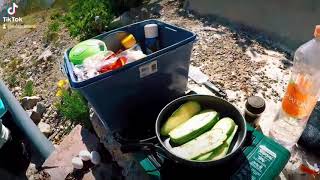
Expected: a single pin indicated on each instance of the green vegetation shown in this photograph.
(12, 80)
(54, 26)
(88, 18)
(74, 108)
(51, 34)
(28, 89)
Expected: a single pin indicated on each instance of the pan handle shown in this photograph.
(137, 147)
(146, 147)
(122, 140)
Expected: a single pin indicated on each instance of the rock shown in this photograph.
(208, 28)
(78, 139)
(31, 170)
(95, 157)
(40, 108)
(29, 102)
(35, 116)
(77, 163)
(85, 155)
(46, 55)
(45, 115)
(45, 128)
(217, 36)
(16, 89)
(122, 20)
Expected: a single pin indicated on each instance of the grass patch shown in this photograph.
(12, 80)
(54, 26)
(28, 89)
(74, 108)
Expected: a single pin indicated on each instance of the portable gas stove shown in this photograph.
(259, 158)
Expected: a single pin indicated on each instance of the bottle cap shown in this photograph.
(151, 31)
(129, 41)
(317, 31)
(255, 105)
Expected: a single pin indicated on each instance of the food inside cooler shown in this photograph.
(92, 57)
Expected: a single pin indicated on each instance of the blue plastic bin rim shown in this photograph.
(79, 84)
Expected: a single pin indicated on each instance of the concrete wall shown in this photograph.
(291, 20)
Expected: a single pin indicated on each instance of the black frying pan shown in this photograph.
(225, 109)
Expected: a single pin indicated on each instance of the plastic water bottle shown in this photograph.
(301, 95)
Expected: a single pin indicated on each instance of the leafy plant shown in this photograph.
(88, 18)
(28, 89)
(74, 107)
(54, 26)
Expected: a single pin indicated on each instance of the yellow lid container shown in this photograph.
(129, 41)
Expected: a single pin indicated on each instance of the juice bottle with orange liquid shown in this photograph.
(301, 95)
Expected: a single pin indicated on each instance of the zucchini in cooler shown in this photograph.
(221, 151)
(194, 127)
(182, 114)
(201, 145)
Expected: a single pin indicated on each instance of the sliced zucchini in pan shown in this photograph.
(221, 151)
(194, 127)
(182, 114)
(201, 145)
(226, 124)
(226, 146)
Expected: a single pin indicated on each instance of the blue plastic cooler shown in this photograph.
(133, 95)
